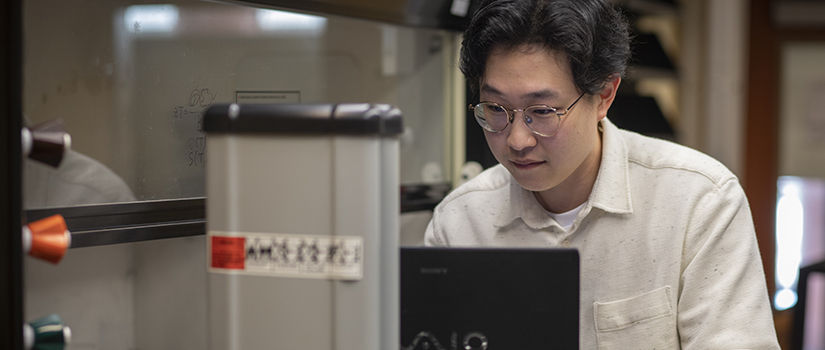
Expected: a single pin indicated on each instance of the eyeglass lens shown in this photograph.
(494, 118)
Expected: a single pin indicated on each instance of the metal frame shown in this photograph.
(11, 260)
(104, 224)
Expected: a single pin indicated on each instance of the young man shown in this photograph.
(668, 251)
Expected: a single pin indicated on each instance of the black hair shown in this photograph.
(591, 33)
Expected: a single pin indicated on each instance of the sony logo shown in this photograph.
(425, 340)
(433, 270)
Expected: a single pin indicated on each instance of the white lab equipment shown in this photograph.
(303, 226)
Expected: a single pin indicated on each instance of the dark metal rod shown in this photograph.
(104, 224)
(11, 256)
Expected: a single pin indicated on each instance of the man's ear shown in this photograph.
(608, 94)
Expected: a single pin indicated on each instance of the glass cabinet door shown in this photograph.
(128, 80)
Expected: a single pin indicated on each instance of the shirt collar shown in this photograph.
(524, 205)
(611, 191)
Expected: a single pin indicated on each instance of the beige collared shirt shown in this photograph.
(669, 257)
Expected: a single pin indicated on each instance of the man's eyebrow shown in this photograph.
(535, 95)
(541, 94)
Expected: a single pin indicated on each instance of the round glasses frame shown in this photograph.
(557, 112)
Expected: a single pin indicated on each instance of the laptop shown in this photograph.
(489, 298)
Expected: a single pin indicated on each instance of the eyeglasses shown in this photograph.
(542, 120)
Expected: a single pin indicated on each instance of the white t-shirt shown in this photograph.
(668, 251)
(567, 218)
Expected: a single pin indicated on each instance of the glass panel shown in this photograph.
(147, 295)
(129, 80)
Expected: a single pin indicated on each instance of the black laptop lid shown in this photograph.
(489, 298)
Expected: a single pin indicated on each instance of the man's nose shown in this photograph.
(520, 137)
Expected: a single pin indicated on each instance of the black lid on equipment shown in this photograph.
(304, 119)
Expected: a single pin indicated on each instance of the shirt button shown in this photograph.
(565, 243)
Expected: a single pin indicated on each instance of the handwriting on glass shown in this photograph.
(191, 114)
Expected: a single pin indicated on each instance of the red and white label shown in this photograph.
(227, 252)
(287, 255)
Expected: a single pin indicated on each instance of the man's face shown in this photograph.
(531, 75)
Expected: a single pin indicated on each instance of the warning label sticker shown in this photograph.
(227, 252)
(287, 255)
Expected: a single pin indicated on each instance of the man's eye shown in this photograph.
(541, 111)
(495, 109)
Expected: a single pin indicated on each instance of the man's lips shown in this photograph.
(526, 163)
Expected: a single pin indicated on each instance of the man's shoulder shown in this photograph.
(657, 154)
(490, 181)
(468, 213)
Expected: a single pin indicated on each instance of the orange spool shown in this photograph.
(50, 238)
